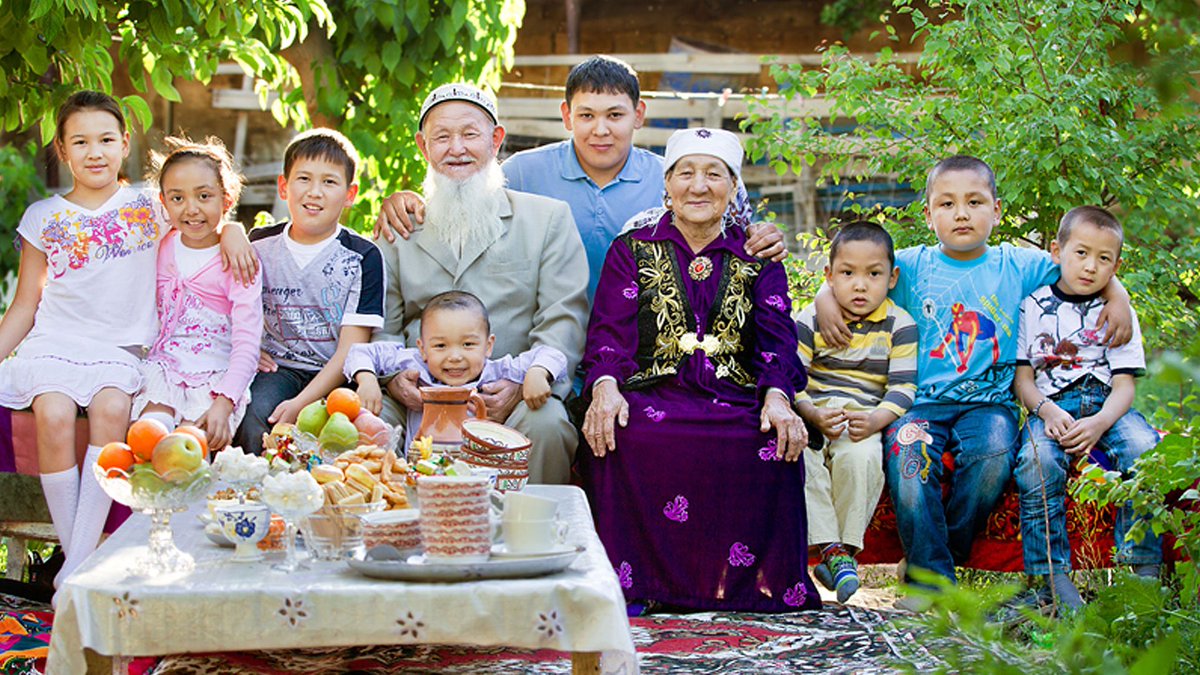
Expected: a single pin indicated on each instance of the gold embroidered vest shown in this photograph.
(666, 322)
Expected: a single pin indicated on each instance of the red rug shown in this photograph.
(832, 640)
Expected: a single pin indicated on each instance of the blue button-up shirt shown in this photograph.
(600, 212)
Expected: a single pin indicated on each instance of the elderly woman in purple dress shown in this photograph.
(691, 369)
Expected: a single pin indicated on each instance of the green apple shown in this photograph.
(312, 418)
(339, 434)
(176, 456)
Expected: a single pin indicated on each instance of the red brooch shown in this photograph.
(700, 268)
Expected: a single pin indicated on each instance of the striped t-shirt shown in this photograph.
(877, 370)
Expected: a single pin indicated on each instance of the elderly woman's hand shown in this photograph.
(608, 406)
(777, 413)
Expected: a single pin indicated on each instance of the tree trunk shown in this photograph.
(304, 57)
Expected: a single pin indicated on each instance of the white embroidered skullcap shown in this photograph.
(459, 91)
(724, 145)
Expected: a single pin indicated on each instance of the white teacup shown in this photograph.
(245, 525)
(534, 536)
(521, 506)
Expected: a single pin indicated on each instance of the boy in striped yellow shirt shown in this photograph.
(853, 394)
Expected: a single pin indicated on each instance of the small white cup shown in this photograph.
(521, 506)
(534, 536)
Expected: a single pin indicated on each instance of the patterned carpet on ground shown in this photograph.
(834, 640)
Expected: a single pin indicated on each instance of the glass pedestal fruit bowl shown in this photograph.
(158, 496)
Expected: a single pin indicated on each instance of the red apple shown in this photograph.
(178, 453)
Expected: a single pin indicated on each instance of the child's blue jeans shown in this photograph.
(1041, 461)
(981, 437)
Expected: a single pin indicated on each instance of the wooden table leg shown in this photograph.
(585, 663)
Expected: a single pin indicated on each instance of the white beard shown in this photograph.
(462, 212)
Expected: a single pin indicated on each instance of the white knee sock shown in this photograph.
(62, 497)
(89, 517)
(167, 419)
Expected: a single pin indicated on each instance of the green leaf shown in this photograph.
(48, 125)
(392, 52)
(38, 9)
(1159, 658)
(140, 109)
(162, 81)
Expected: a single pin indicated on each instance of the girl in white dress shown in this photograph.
(83, 312)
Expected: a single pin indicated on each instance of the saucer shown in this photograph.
(217, 536)
(501, 551)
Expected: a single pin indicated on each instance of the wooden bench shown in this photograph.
(23, 518)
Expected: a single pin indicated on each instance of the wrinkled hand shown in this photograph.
(608, 409)
(369, 392)
(395, 215)
(500, 397)
(1117, 320)
(791, 435)
(266, 363)
(830, 321)
(215, 423)
(286, 411)
(765, 240)
(403, 388)
(1056, 419)
(536, 389)
(1083, 435)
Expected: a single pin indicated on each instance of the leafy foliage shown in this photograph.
(386, 55)
(1165, 483)
(55, 47)
(19, 184)
(1071, 103)
(1132, 627)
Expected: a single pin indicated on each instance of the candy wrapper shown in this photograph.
(287, 449)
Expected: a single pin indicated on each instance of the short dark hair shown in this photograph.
(456, 300)
(85, 101)
(863, 230)
(1098, 216)
(604, 75)
(322, 144)
(962, 163)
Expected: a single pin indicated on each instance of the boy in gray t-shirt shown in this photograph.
(322, 285)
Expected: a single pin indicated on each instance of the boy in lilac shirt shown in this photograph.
(454, 350)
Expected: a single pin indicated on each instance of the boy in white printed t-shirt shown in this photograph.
(1078, 392)
(322, 285)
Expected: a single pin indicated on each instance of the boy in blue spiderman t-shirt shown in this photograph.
(965, 297)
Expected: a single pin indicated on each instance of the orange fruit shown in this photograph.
(345, 401)
(197, 433)
(143, 435)
(113, 456)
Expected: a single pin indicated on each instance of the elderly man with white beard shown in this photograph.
(519, 253)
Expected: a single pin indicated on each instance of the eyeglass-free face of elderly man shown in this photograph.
(519, 253)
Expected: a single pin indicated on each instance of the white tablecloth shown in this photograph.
(227, 606)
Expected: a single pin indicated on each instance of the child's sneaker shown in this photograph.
(823, 575)
(837, 571)
(845, 576)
